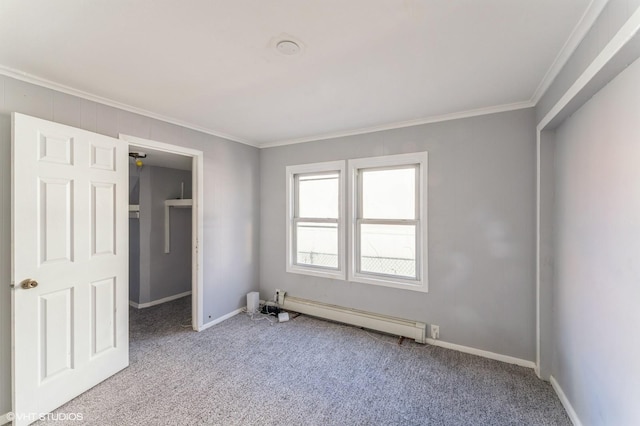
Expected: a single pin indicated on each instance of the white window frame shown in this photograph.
(325, 167)
(355, 194)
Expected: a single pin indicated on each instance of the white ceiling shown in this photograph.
(364, 65)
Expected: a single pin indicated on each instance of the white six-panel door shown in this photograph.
(70, 236)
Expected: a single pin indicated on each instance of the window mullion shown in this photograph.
(314, 220)
(388, 221)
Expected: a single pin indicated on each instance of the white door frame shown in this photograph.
(197, 216)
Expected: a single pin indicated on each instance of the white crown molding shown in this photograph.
(581, 29)
(401, 124)
(628, 30)
(575, 38)
(29, 78)
(38, 81)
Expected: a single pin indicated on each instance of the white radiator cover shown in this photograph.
(396, 326)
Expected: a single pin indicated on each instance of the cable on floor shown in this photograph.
(260, 316)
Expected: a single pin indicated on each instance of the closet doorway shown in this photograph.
(165, 219)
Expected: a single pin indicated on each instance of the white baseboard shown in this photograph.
(4, 419)
(159, 301)
(573, 416)
(219, 320)
(484, 354)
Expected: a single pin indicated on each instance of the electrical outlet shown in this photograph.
(435, 332)
(280, 296)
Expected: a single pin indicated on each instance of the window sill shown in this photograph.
(335, 275)
(411, 285)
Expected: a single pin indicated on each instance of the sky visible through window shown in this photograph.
(388, 248)
(318, 198)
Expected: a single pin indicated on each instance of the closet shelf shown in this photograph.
(184, 203)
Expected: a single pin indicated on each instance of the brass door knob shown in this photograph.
(28, 283)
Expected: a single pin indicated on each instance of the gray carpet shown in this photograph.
(304, 372)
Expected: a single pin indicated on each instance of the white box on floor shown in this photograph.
(253, 302)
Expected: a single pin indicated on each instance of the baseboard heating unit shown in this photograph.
(396, 326)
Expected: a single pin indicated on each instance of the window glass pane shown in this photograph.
(389, 194)
(318, 195)
(388, 249)
(317, 244)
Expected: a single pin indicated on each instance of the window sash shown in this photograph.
(294, 242)
(360, 188)
(295, 176)
(358, 250)
(361, 220)
(296, 188)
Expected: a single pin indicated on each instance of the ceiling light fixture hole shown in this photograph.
(288, 47)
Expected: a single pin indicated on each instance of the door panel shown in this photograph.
(103, 319)
(56, 149)
(54, 207)
(103, 211)
(70, 235)
(103, 156)
(56, 327)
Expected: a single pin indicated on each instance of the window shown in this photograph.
(388, 221)
(387, 230)
(315, 219)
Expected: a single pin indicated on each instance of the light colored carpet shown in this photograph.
(304, 372)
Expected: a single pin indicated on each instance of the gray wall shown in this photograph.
(547, 245)
(134, 236)
(134, 184)
(166, 274)
(584, 290)
(154, 274)
(134, 260)
(598, 255)
(481, 229)
(231, 205)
